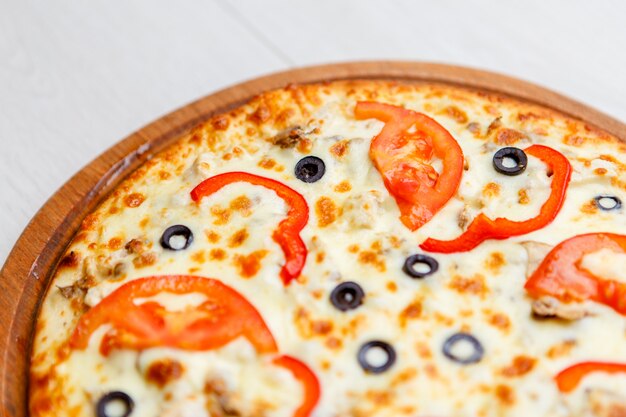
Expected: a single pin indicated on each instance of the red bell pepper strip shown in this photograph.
(402, 153)
(224, 316)
(308, 380)
(483, 228)
(287, 234)
(568, 379)
(561, 275)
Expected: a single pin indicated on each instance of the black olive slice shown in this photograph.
(347, 296)
(386, 348)
(413, 260)
(310, 169)
(608, 202)
(516, 155)
(477, 349)
(177, 237)
(112, 397)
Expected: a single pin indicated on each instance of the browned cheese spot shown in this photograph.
(474, 285)
(134, 199)
(243, 205)
(238, 238)
(353, 248)
(499, 320)
(343, 186)
(261, 115)
(521, 365)
(212, 236)
(163, 371)
(249, 265)
(114, 243)
(379, 398)
(505, 394)
(589, 207)
(305, 145)
(573, 140)
(561, 349)
(491, 190)
(455, 113)
(326, 211)
(391, 286)
(372, 258)
(410, 312)
(222, 215)
(600, 171)
(508, 137)
(495, 261)
(333, 343)
(90, 221)
(145, 259)
(267, 163)
(164, 175)
(220, 122)
(340, 149)
(319, 257)
(217, 254)
(198, 257)
(522, 195)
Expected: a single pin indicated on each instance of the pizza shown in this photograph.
(350, 249)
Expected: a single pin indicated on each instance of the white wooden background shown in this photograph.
(77, 76)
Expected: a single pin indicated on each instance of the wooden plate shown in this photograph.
(25, 275)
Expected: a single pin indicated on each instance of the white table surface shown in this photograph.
(77, 76)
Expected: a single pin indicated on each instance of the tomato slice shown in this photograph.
(287, 234)
(402, 152)
(308, 380)
(221, 318)
(561, 275)
(568, 379)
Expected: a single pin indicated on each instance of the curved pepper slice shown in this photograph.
(483, 228)
(308, 380)
(561, 275)
(287, 234)
(568, 379)
(221, 318)
(402, 153)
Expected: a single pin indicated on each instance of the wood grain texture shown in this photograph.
(25, 275)
(76, 76)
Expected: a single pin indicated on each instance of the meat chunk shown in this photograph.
(551, 307)
(289, 137)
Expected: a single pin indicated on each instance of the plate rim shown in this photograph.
(25, 274)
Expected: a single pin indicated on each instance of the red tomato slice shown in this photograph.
(221, 318)
(402, 152)
(561, 275)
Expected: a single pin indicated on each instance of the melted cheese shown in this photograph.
(354, 234)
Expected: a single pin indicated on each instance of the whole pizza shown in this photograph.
(350, 249)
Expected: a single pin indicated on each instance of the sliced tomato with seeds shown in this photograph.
(561, 274)
(404, 151)
(224, 316)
